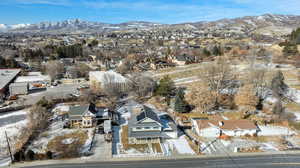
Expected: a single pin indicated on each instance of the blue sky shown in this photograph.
(162, 11)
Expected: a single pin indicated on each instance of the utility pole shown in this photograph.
(9, 149)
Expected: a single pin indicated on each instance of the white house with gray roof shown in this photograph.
(148, 127)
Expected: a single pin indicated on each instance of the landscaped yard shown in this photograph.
(143, 148)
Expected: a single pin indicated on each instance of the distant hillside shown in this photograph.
(267, 24)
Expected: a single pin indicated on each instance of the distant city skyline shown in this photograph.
(161, 11)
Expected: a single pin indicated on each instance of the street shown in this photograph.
(259, 161)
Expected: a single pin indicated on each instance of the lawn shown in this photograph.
(124, 139)
(156, 148)
(292, 106)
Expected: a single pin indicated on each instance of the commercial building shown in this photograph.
(18, 89)
(34, 78)
(7, 76)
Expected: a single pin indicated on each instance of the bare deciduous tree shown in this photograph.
(258, 79)
(246, 97)
(54, 68)
(219, 76)
(38, 117)
(142, 85)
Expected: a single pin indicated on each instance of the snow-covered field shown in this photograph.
(13, 123)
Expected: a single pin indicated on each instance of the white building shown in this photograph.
(100, 79)
(34, 77)
(213, 128)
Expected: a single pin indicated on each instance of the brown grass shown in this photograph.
(192, 115)
(156, 147)
(68, 150)
(193, 146)
(127, 146)
(234, 115)
(293, 106)
(295, 87)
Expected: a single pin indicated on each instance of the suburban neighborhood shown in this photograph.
(88, 92)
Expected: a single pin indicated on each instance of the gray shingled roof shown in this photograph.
(78, 110)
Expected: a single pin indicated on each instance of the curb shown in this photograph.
(82, 161)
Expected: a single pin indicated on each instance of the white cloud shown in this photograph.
(32, 2)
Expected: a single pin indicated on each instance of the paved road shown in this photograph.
(261, 161)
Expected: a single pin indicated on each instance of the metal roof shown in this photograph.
(19, 84)
(7, 75)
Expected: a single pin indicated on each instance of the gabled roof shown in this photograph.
(80, 110)
(147, 113)
(227, 124)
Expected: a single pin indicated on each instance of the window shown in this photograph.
(155, 127)
(147, 128)
(138, 128)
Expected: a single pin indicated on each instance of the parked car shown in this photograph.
(13, 97)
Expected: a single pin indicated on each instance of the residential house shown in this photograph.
(147, 127)
(217, 128)
(87, 116)
(183, 59)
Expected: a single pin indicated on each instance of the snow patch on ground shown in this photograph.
(68, 141)
(297, 114)
(61, 108)
(294, 94)
(13, 131)
(268, 147)
(86, 147)
(21, 112)
(274, 130)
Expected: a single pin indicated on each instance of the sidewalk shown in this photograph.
(82, 160)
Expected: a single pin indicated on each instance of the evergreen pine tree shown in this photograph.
(165, 87)
(180, 105)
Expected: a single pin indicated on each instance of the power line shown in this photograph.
(233, 161)
(9, 149)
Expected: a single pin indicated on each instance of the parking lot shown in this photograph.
(54, 92)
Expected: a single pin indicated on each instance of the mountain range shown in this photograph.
(266, 24)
